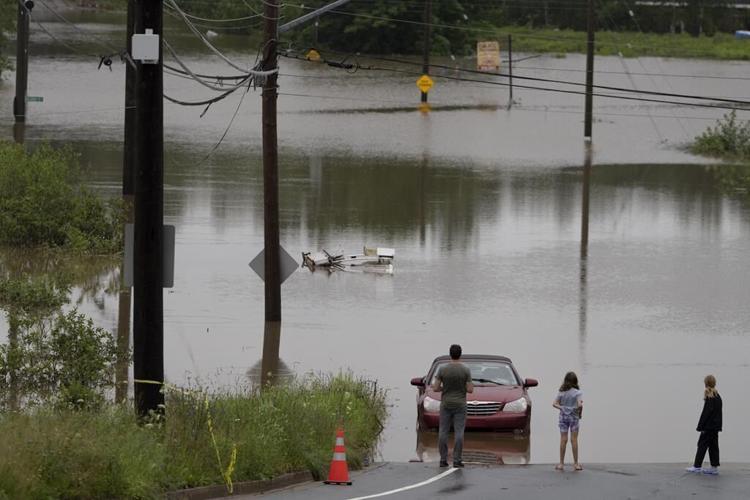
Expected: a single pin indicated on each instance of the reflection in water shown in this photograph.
(486, 448)
(91, 277)
(270, 369)
(281, 374)
(583, 261)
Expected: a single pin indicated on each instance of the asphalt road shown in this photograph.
(531, 482)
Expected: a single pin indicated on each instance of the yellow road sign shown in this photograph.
(425, 83)
(313, 55)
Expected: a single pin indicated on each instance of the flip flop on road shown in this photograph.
(578, 467)
(559, 467)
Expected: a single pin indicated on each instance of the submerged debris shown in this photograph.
(371, 260)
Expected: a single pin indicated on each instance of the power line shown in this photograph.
(672, 75)
(488, 30)
(550, 80)
(209, 20)
(216, 51)
(543, 89)
(199, 79)
(75, 27)
(438, 107)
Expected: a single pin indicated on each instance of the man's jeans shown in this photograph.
(457, 417)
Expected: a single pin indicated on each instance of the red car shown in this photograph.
(500, 400)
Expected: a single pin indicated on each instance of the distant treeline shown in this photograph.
(395, 26)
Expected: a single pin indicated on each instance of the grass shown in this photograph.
(630, 44)
(205, 439)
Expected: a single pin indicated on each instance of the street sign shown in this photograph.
(167, 257)
(286, 262)
(488, 56)
(425, 83)
(34, 98)
(313, 55)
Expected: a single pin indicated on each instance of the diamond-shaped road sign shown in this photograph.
(287, 263)
(425, 83)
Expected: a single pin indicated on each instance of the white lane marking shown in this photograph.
(411, 487)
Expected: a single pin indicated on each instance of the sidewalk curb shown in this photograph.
(241, 488)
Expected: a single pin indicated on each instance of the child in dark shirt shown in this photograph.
(709, 425)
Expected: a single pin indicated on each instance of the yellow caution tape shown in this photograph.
(226, 474)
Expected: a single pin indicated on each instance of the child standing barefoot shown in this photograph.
(570, 403)
(709, 425)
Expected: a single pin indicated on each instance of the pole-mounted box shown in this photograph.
(145, 47)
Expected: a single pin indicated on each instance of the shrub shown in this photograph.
(66, 361)
(727, 139)
(42, 203)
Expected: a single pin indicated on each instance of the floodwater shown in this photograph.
(483, 206)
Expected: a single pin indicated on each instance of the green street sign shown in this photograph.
(34, 98)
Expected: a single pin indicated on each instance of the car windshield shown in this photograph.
(487, 372)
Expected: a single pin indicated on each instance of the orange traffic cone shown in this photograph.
(339, 472)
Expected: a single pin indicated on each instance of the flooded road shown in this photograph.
(483, 207)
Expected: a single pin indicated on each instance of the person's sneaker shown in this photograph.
(443, 463)
(458, 464)
(711, 470)
(694, 469)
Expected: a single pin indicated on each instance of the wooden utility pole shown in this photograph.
(148, 299)
(128, 194)
(271, 164)
(22, 60)
(510, 70)
(589, 71)
(427, 42)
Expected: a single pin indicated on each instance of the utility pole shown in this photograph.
(589, 71)
(427, 42)
(128, 193)
(148, 300)
(510, 70)
(271, 165)
(272, 281)
(22, 60)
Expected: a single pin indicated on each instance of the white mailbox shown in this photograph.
(145, 47)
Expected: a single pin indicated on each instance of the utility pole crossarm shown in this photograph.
(312, 15)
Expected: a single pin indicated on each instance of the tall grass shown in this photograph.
(106, 454)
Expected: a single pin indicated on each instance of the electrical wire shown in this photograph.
(209, 20)
(475, 29)
(621, 59)
(65, 20)
(210, 77)
(605, 72)
(543, 89)
(438, 107)
(548, 80)
(216, 51)
(199, 79)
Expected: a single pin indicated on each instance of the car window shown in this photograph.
(493, 372)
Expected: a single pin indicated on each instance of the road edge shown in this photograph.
(241, 488)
